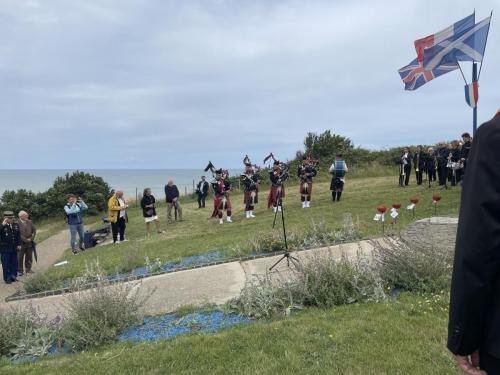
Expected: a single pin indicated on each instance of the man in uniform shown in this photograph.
(221, 186)
(306, 172)
(278, 176)
(10, 244)
(250, 179)
(474, 323)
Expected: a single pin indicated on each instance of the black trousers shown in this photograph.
(442, 174)
(118, 228)
(404, 180)
(489, 363)
(431, 174)
(9, 265)
(419, 175)
(201, 200)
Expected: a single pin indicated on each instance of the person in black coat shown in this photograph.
(474, 317)
(431, 165)
(442, 154)
(404, 163)
(465, 151)
(10, 243)
(148, 205)
(202, 192)
(419, 163)
(454, 165)
(172, 198)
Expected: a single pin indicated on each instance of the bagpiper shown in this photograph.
(250, 180)
(221, 187)
(306, 171)
(338, 170)
(278, 176)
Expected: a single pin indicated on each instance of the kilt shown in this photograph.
(218, 205)
(306, 188)
(337, 184)
(247, 197)
(273, 195)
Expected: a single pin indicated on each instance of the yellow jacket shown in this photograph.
(114, 209)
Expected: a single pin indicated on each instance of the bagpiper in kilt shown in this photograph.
(278, 176)
(338, 170)
(250, 180)
(306, 172)
(221, 187)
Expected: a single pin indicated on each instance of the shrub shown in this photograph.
(93, 273)
(265, 297)
(41, 282)
(96, 316)
(271, 242)
(319, 233)
(414, 267)
(153, 265)
(328, 282)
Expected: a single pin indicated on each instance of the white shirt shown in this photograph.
(122, 205)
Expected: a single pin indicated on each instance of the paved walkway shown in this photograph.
(49, 252)
(220, 283)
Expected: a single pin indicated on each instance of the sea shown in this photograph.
(131, 181)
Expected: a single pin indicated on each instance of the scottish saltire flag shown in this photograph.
(431, 40)
(414, 75)
(472, 94)
(467, 45)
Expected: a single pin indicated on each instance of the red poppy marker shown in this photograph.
(395, 212)
(380, 216)
(435, 199)
(413, 204)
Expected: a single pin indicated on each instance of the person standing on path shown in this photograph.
(10, 243)
(117, 216)
(172, 198)
(202, 191)
(474, 314)
(148, 205)
(73, 210)
(25, 254)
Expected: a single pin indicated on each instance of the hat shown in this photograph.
(8, 214)
(498, 113)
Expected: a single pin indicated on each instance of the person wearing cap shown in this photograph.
(28, 233)
(74, 209)
(221, 186)
(250, 179)
(10, 243)
(202, 191)
(277, 190)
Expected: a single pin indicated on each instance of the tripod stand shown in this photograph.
(289, 258)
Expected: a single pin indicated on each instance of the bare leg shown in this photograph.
(147, 230)
(158, 230)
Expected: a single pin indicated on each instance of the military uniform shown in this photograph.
(250, 181)
(277, 191)
(10, 242)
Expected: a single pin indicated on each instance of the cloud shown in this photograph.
(171, 84)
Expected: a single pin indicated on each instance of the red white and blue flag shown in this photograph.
(415, 75)
(472, 94)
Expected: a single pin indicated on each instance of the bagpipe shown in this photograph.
(282, 173)
(223, 172)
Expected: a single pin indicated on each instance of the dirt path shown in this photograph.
(49, 251)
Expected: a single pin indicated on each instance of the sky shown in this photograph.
(173, 84)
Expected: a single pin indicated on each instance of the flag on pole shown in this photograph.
(468, 45)
(472, 94)
(433, 39)
(414, 75)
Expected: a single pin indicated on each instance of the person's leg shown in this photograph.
(199, 200)
(169, 210)
(334, 195)
(114, 230)
(20, 260)
(5, 268)
(72, 241)
(148, 231)
(28, 258)
(122, 228)
(179, 210)
(339, 193)
(203, 200)
(13, 265)
(158, 228)
(81, 236)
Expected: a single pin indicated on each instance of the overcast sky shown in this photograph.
(171, 84)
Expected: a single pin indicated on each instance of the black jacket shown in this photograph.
(202, 188)
(420, 163)
(146, 201)
(171, 192)
(465, 151)
(475, 291)
(10, 238)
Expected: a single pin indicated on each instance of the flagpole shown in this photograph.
(474, 110)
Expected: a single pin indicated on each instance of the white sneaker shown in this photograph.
(117, 242)
(247, 213)
(251, 214)
(275, 209)
(304, 204)
(228, 219)
(125, 240)
(279, 208)
(308, 204)
(221, 221)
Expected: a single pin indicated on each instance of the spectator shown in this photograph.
(148, 205)
(454, 166)
(202, 191)
(474, 323)
(431, 165)
(10, 243)
(464, 152)
(117, 216)
(73, 210)
(172, 197)
(25, 254)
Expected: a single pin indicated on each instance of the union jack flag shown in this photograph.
(414, 75)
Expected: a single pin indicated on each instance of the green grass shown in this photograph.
(406, 336)
(197, 234)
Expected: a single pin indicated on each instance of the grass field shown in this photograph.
(197, 234)
(405, 336)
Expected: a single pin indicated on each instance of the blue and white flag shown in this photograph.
(467, 45)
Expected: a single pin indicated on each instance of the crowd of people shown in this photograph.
(445, 164)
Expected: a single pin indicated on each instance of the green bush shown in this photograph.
(414, 267)
(40, 282)
(329, 282)
(96, 316)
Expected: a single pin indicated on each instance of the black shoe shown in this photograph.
(8, 282)
(20, 273)
(13, 279)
